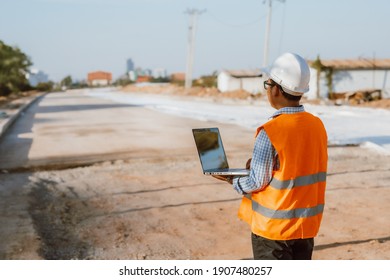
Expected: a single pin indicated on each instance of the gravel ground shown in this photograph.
(148, 199)
(162, 208)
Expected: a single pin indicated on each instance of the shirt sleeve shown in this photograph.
(263, 160)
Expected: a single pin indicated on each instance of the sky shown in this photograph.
(74, 37)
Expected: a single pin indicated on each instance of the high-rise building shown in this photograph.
(130, 65)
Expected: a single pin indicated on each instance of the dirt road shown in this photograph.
(90, 179)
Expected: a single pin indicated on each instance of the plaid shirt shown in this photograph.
(264, 160)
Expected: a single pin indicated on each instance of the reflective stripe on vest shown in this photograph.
(298, 182)
(287, 214)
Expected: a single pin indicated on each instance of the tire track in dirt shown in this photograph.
(54, 217)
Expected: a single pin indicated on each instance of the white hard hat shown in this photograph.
(291, 72)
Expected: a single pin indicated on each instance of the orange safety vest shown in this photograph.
(291, 205)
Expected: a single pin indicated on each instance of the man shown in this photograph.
(284, 194)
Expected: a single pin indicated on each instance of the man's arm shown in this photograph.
(263, 160)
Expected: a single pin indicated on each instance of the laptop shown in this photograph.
(212, 154)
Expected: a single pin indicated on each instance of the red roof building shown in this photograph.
(143, 79)
(99, 78)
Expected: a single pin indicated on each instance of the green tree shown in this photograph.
(317, 64)
(48, 86)
(14, 66)
(208, 81)
(67, 81)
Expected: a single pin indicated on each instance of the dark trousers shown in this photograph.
(296, 249)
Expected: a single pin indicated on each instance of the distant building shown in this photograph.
(160, 73)
(248, 80)
(99, 78)
(178, 77)
(130, 65)
(350, 75)
(145, 72)
(347, 76)
(36, 77)
(140, 75)
(132, 75)
(143, 78)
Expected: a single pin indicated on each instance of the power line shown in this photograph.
(236, 25)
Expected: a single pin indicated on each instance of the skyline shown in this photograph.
(70, 37)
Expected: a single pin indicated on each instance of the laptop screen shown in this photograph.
(210, 148)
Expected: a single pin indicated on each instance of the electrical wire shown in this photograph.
(238, 25)
(235, 25)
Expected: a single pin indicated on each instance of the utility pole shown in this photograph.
(373, 71)
(191, 44)
(267, 31)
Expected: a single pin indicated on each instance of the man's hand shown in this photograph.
(248, 164)
(226, 178)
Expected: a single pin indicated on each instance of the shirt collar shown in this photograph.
(288, 110)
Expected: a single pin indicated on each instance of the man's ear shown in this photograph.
(277, 92)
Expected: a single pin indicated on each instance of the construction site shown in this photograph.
(98, 161)
(106, 183)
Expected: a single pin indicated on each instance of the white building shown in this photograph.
(351, 75)
(132, 76)
(36, 77)
(248, 80)
(160, 73)
(347, 75)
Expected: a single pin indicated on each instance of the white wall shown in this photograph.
(351, 80)
(312, 93)
(100, 82)
(253, 85)
(225, 82)
(228, 83)
(361, 79)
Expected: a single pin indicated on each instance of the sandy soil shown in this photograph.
(156, 204)
(163, 208)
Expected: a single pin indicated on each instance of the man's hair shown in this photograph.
(286, 95)
(289, 96)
